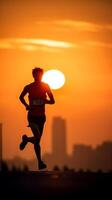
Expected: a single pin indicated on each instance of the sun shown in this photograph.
(54, 78)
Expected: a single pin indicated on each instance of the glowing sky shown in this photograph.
(72, 36)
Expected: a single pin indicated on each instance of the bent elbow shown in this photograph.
(53, 102)
(20, 98)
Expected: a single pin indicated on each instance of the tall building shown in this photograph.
(59, 142)
(0, 144)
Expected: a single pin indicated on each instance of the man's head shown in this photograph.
(37, 73)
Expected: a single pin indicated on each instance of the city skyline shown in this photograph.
(93, 160)
(58, 128)
(82, 157)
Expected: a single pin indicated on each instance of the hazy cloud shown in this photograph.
(51, 46)
(77, 25)
(33, 44)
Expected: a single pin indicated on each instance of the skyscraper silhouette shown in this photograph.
(0, 144)
(59, 143)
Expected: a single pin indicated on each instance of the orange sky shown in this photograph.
(74, 37)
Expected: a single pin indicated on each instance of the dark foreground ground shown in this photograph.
(55, 185)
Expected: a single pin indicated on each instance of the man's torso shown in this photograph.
(36, 95)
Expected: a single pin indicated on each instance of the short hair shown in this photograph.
(37, 70)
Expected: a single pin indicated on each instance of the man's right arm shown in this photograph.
(22, 95)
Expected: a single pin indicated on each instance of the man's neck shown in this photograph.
(37, 81)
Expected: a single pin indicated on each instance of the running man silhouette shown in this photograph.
(39, 94)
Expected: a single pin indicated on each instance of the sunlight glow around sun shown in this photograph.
(54, 78)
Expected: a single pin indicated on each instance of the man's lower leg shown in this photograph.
(41, 164)
(37, 151)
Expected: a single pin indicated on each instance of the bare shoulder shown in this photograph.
(27, 87)
(45, 85)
